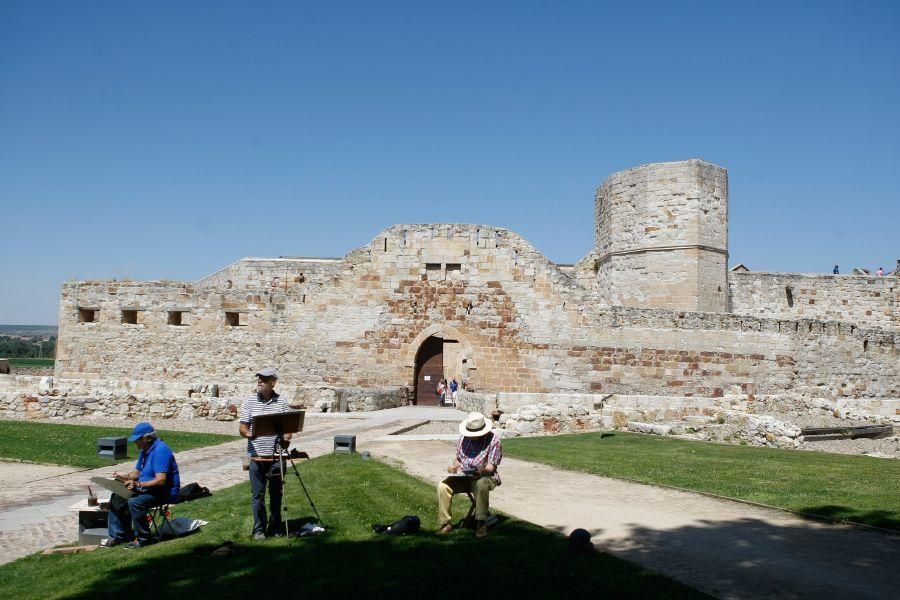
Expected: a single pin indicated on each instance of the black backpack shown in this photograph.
(408, 524)
(192, 491)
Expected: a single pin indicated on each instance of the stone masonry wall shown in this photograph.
(861, 300)
(522, 324)
(272, 274)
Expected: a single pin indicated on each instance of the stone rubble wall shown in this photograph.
(50, 397)
(272, 274)
(735, 418)
(864, 301)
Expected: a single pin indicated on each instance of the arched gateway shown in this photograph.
(438, 352)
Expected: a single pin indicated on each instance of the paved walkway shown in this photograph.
(727, 549)
(34, 499)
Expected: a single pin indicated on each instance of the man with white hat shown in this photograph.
(478, 453)
(264, 466)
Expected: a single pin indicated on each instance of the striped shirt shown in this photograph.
(253, 407)
(474, 453)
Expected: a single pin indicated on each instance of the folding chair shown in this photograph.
(157, 518)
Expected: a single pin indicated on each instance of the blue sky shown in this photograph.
(166, 140)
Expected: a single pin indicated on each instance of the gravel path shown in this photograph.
(727, 549)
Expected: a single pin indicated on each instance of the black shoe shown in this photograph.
(139, 544)
(275, 529)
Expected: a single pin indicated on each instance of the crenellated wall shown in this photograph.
(863, 300)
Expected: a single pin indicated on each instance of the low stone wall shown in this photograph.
(476, 402)
(32, 397)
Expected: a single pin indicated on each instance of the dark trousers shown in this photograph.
(262, 473)
(129, 518)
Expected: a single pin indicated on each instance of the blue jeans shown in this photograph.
(130, 520)
(262, 473)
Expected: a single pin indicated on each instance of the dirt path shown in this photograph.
(727, 549)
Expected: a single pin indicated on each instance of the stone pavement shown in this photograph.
(727, 549)
(34, 499)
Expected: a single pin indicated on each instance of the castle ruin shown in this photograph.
(650, 311)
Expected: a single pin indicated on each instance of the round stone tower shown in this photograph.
(662, 236)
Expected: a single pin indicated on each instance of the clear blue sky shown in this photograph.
(168, 139)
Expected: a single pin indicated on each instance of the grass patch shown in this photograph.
(76, 445)
(854, 488)
(517, 559)
(31, 363)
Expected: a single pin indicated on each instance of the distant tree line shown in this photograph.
(32, 347)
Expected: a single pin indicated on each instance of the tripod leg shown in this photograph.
(308, 497)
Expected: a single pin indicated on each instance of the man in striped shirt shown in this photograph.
(264, 467)
(478, 453)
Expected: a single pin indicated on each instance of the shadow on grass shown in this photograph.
(878, 518)
(517, 559)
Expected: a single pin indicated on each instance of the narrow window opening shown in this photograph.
(385, 244)
(790, 297)
(303, 300)
(87, 315)
(233, 319)
(865, 345)
(454, 267)
(130, 317)
(176, 317)
(404, 237)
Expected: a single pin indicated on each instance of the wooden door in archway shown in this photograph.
(429, 371)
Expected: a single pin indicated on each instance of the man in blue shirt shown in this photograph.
(154, 481)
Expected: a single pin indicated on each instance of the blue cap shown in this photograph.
(140, 430)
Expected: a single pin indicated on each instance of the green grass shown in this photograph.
(31, 363)
(516, 560)
(861, 489)
(76, 445)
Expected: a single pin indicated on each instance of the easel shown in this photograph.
(278, 424)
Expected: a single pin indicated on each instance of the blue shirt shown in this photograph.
(158, 458)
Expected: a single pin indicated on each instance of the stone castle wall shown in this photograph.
(272, 274)
(522, 325)
(862, 300)
(645, 313)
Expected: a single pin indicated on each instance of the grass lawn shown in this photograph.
(76, 445)
(853, 488)
(31, 362)
(516, 559)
